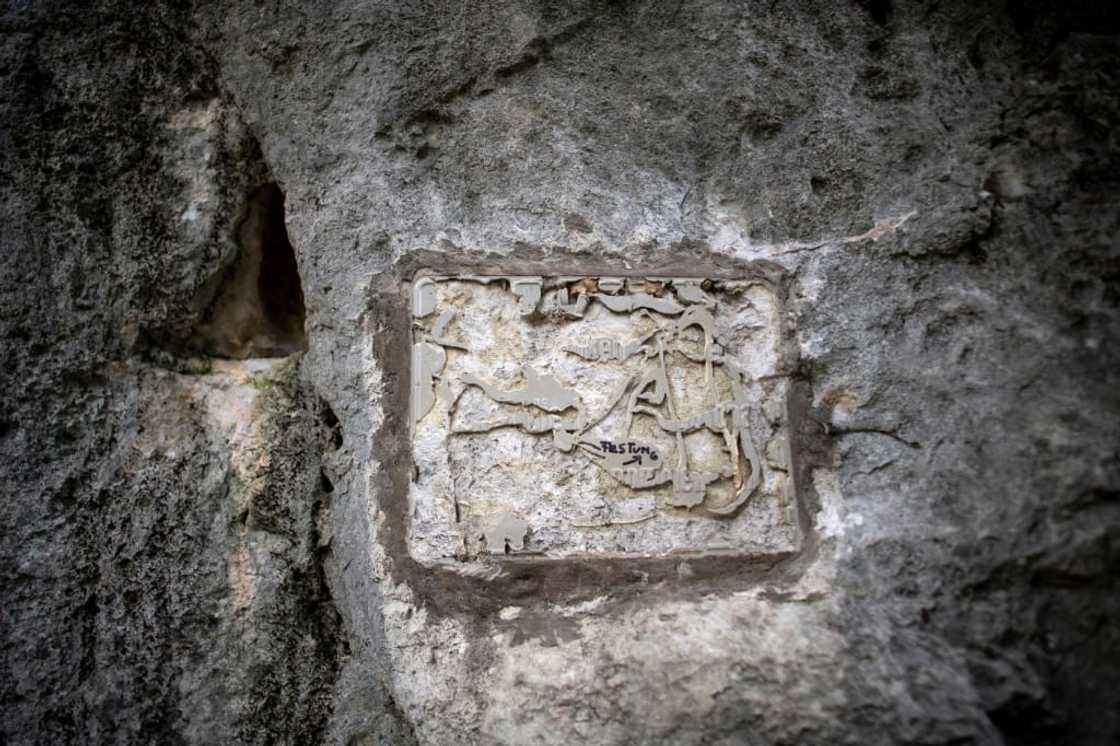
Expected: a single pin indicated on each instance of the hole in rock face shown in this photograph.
(259, 310)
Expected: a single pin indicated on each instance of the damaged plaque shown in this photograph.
(598, 416)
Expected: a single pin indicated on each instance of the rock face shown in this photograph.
(203, 532)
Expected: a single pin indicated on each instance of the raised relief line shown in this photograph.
(689, 489)
(439, 329)
(423, 297)
(615, 521)
(540, 389)
(742, 447)
(428, 354)
(427, 363)
(534, 425)
(608, 349)
(690, 291)
(701, 317)
(635, 301)
(528, 292)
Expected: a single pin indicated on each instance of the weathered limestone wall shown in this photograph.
(203, 550)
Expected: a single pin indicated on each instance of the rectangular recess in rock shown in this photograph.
(594, 416)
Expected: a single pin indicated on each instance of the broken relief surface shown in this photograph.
(598, 416)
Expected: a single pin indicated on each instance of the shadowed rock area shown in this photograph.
(211, 215)
(258, 311)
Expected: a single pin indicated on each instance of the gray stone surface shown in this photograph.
(205, 551)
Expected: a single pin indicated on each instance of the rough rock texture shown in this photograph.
(197, 550)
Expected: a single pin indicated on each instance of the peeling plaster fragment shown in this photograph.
(690, 487)
(714, 419)
(528, 292)
(576, 309)
(635, 301)
(504, 533)
(610, 285)
(649, 285)
(777, 453)
(690, 291)
(748, 453)
(701, 317)
(607, 349)
(532, 424)
(439, 329)
(423, 297)
(540, 389)
(653, 386)
(563, 440)
(427, 363)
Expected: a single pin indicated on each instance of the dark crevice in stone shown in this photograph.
(331, 425)
(258, 310)
(1023, 721)
(881, 11)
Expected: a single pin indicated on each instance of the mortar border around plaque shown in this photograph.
(391, 302)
